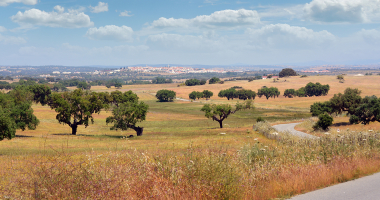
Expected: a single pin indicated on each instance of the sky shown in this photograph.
(208, 32)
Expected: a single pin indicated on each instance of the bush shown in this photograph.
(260, 119)
(165, 95)
(324, 121)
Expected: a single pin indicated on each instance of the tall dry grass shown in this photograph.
(255, 171)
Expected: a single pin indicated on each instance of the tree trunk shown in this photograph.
(74, 129)
(221, 124)
(139, 130)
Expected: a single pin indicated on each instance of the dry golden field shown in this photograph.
(182, 154)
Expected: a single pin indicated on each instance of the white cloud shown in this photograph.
(11, 40)
(348, 11)
(224, 18)
(110, 32)
(125, 14)
(371, 37)
(27, 2)
(101, 7)
(70, 19)
(59, 8)
(2, 29)
(286, 36)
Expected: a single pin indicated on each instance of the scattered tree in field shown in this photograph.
(192, 82)
(127, 112)
(368, 111)
(268, 92)
(245, 94)
(287, 72)
(324, 121)
(193, 95)
(214, 80)
(316, 89)
(340, 77)
(221, 112)
(165, 95)
(76, 108)
(228, 93)
(16, 112)
(203, 82)
(289, 93)
(207, 94)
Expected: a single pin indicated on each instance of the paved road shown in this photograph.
(290, 129)
(366, 188)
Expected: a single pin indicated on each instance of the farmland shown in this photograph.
(182, 153)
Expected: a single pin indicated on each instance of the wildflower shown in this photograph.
(327, 133)
(222, 133)
(256, 139)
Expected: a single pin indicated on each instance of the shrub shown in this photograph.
(324, 121)
(260, 119)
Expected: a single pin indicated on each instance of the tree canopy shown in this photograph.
(76, 108)
(287, 72)
(16, 112)
(165, 95)
(316, 89)
(193, 82)
(214, 80)
(268, 92)
(368, 111)
(289, 93)
(220, 112)
(127, 112)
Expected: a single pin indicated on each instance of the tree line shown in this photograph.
(74, 108)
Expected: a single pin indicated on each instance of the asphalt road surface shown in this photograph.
(366, 188)
(290, 129)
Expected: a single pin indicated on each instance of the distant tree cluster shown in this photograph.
(192, 82)
(239, 94)
(197, 95)
(287, 72)
(161, 80)
(268, 92)
(214, 80)
(309, 90)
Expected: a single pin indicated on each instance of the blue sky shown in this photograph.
(211, 32)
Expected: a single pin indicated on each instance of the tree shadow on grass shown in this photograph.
(23, 136)
(341, 124)
(95, 136)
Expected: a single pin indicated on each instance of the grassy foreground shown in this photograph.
(182, 155)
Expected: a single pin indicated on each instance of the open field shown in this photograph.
(182, 154)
